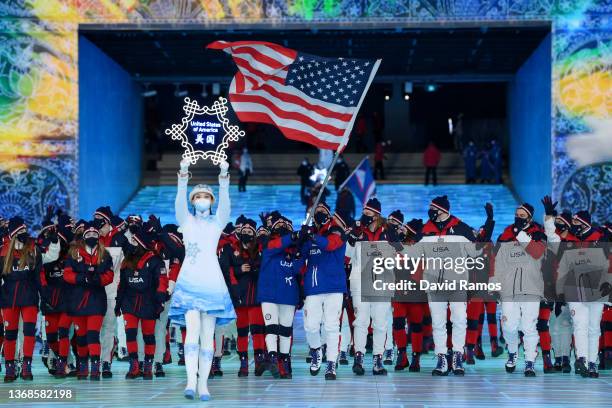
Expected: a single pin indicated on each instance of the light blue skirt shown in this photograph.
(217, 304)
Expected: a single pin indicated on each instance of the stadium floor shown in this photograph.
(485, 384)
(467, 201)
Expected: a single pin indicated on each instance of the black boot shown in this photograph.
(52, 365)
(9, 373)
(106, 370)
(285, 366)
(244, 364)
(260, 363)
(26, 369)
(273, 364)
(402, 359)
(60, 368)
(95, 369)
(159, 370)
(358, 364)
(83, 368)
(147, 368)
(134, 371)
(181, 354)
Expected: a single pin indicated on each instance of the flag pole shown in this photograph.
(327, 177)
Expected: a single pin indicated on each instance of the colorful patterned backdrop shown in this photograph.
(39, 80)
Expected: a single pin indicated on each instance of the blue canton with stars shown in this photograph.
(335, 80)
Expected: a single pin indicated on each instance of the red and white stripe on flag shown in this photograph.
(260, 92)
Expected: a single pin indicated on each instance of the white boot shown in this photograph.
(191, 364)
(206, 357)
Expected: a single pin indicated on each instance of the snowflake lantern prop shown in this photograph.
(204, 131)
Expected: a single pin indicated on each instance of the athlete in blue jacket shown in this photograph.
(324, 285)
(279, 293)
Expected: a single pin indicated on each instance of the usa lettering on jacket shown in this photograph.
(440, 249)
(136, 280)
(57, 273)
(517, 254)
(286, 264)
(315, 251)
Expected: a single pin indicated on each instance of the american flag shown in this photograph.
(309, 98)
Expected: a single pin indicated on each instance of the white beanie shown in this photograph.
(201, 188)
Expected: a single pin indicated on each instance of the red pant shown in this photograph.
(542, 326)
(51, 328)
(63, 331)
(11, 325)
(475, 320)
(605, 341)
(148, 335)
(87, 331)
(414, 313)
(250, 319)
(427, 328)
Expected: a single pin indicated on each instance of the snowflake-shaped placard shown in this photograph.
(196, 115)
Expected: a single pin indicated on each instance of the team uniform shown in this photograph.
(376, 312)
(86, 275)
(518, 268)
(324, 288)
(141, 295)
(279, 294)
(451, 230)
(585, 278)
(19, 298)
(243, 290)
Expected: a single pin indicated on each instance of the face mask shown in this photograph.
(366, 220)
(202, 204)
(520, 223)
(321, 218)
(576, 229)
(134, 228)
(246, 238)
(91, 242)
(282, 231)
(23, 238)
(432, 214)
(561, 226)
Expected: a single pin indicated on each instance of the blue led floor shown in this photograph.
(485, 384)
(467, 201)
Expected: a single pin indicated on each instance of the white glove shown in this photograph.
(171, 285)
(184, 165)
(224, 166)
(522, 237)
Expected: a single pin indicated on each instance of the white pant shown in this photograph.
(389, 341)
(586, 318)
(345, 332)
(279, 323)
(199, 342)
(109, 324)
(326, 309)
(561, 332)
(121, 339)
(525, 315)
(378, 312)
(438, 323)
(160, 334)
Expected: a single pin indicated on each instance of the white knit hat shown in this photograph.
(201, 188)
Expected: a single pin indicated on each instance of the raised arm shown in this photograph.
(180, 203)
(224, 208)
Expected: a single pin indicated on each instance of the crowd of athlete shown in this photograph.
(95, 287)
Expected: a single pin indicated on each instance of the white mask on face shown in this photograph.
(202, 204)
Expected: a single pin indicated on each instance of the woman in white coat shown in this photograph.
(201, 298)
